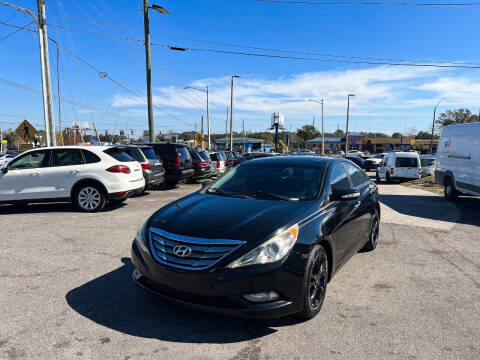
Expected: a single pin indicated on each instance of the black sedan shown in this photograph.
(263, 240)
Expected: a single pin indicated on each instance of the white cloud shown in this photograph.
(380, 92)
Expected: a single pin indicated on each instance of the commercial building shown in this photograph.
(251, 145)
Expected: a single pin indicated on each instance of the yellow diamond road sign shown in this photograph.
(26, 131)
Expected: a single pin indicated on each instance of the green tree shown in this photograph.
(423, 135)
(396, 135)
(308, 132)
(453, 117)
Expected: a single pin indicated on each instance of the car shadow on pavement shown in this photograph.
(435, 208)
(50, 208)
(113, 300)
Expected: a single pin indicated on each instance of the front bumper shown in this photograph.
(220, 290)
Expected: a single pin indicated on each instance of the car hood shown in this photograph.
(219, 217)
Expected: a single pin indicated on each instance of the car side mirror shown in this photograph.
(5, 169)
(205, 184)
(345, 195)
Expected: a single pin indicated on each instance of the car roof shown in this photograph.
(405, 154)
(292, 160)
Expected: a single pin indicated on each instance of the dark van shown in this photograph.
(176, 161)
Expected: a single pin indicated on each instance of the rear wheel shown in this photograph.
(90, 198)
(315, 282)
(374, 232)
(377, 177)
(451, 194)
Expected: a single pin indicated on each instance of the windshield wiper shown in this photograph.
(224, 193)
(268, 195)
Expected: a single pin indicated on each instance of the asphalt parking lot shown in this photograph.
(66, 291)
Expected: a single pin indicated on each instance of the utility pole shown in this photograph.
(226, 131)
(208, 125)
(44, 67)
(46, 82)
(194, 137)
(231, 112)
(243, 130)
(148, 67)
(201, 130)
(348, 114)
(323, 132)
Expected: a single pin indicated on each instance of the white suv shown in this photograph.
(86, 176)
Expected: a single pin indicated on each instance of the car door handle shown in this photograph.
(35, 174)
(75, 171)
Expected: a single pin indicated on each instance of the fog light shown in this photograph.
(262, 297)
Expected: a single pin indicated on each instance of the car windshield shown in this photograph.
(406, 162)
(272, 181)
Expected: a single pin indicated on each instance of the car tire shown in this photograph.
(377, 177)
(314, 282)
(388, 179)
(90, 198)
(374, 233)
(451, 194)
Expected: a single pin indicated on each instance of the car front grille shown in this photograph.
(198, 254)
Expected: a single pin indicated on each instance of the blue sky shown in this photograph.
(388, 98)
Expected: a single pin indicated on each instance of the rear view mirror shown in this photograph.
(345, 195)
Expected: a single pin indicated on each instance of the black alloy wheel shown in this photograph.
(374, 233)
(315, 282)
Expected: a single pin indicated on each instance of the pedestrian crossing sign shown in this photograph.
(26, 131)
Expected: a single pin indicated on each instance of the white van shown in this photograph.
(457, 167)
(397, 165)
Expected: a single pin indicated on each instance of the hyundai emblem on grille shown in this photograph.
(182, 251)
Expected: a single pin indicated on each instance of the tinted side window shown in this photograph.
(339, 179)
(135, 153)
(66, 157)
(32, 160)
(149, 154)
(119, 154)
(204, 155)
(355, 175)
(90, 157)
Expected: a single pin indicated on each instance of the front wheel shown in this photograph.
(90, 198)
(377, 176)
(315, 282)
(374, 232)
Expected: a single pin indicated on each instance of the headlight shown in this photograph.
(272, 250)
(141, 234)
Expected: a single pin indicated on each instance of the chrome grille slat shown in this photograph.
(205, 252)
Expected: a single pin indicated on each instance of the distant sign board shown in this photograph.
(26, 131)
(278, 118)
(80, 125)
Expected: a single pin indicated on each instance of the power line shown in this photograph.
(366, 3)
(15, 31)
(104, 74)
(258, 48)
(316, 59)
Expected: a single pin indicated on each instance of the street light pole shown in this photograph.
(348, 115)
(208, 111)
(433, 125)
(148, 64)
(231, 112)
(323, 130)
